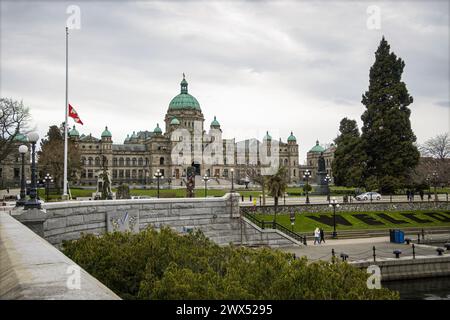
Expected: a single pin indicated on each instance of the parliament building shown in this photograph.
(136, 160)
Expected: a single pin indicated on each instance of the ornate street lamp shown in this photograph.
(33, 202)
(232, 180)
(292, 218)
(158, 176)
(206, 179)
(48, 179)
(327, 180)
(334, 204)
(23, 149)
(306, 176)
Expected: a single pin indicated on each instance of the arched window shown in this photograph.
(294, 173)
(128, 161)
(90, 161)
(97, 161)
(161, 161)
(134, 161)
(140, 162)
(285, 162)
(115, 162)
(83, 161)
(121, 162)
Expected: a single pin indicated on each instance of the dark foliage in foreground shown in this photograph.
(165, 265)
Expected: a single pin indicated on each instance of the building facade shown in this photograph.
(136, 160)
(11, 167)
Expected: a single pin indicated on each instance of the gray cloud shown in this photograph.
(256, 65)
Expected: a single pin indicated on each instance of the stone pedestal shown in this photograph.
(322, 186)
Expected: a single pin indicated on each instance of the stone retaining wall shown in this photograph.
(353, 207)
(408, 268)
(218, 218)
(31, 268)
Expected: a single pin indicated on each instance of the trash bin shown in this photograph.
(401, 236)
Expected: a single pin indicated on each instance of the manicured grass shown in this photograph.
(305, 224)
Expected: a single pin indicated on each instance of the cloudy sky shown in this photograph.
(281, 66)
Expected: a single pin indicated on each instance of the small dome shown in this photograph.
(175, 121)
(157, 129)
(215, 123)
(127, 138)
(267, 137)
(133, 136)
(21, 138)
(74, 132)
(292, 138)
(106, 133)
(317, 148)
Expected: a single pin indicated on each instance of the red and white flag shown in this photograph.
(73, 114)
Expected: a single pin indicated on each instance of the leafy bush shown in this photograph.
(165, 265)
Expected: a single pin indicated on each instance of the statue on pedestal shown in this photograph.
(322, 184)
(190, 182)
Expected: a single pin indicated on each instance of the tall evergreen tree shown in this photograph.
(349, 156)
(387, 137)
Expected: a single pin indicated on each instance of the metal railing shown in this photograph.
(274, 225)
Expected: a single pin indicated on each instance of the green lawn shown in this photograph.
(305, 224)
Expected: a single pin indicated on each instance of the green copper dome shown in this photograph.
(157, 129)
(292, 138)
(74, 132)
(21, 138)
(184, 100)
(175, 121)
(267, 137)
(215, 123)
(106, 133)
(317, 148)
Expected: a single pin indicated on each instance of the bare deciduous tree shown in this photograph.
(14, 119)
(437, 147)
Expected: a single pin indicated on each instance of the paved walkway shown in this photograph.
(358, 249)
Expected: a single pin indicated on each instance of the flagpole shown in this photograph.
(66, 107)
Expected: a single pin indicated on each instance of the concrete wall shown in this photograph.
(31, 268)
(218, 218)
(408, 268)
(355, 206)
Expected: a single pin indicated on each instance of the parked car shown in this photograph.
(368, 196)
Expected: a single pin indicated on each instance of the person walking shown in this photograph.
(421, 195)
(408, 195)
(317, 236)
(322, 236)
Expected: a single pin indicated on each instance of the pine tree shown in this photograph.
(387, 137)
(348, 157)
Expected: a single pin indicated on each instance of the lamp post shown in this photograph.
(435, 177)
(33, 202)
(206, 179)
(48, 178)
(327, 180)
(232, 180)
(334, 204)
(306, 176)
(158, 176)
(23, 149)
(292, 218)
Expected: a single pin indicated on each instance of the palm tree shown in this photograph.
(277, 185)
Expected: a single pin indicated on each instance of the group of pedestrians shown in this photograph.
(319, 236)
(410, 195)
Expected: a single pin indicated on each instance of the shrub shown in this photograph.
(165, 265)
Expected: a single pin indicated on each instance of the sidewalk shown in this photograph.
(357, 249)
